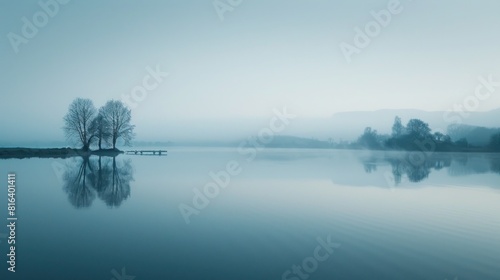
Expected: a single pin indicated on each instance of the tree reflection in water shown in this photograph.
(495, 165)
(105, 177)
(415, 170)
(76, 185)
(417, 167)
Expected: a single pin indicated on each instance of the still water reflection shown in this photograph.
(416, 167)
(107, 178)
(394, 215)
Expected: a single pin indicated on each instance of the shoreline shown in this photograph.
(21, 153)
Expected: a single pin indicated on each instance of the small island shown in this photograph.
(86, 127)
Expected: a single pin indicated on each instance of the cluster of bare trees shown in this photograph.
(87, 126)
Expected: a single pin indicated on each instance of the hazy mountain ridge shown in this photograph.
(475, 135)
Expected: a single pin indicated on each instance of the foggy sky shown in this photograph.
(263, 55)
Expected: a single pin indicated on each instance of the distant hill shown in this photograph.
(297, 142)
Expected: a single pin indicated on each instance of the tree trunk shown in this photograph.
(86, 146)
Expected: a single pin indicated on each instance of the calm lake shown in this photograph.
(284, 214)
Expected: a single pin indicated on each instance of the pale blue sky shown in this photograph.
(265, 54)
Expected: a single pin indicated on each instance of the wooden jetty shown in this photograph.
(147, 152)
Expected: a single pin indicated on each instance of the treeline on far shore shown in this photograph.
(416, 135)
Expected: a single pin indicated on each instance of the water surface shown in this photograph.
(392, 215)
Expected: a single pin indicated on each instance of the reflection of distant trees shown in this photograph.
(415, 171)
(495, 165)
(456, 164)
(418, 166)
(370, 167)
(107, 177)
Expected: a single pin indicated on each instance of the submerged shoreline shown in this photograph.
(21, 153)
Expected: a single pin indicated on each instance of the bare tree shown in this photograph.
(118, 116)
(77, 122)
(101, 129)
